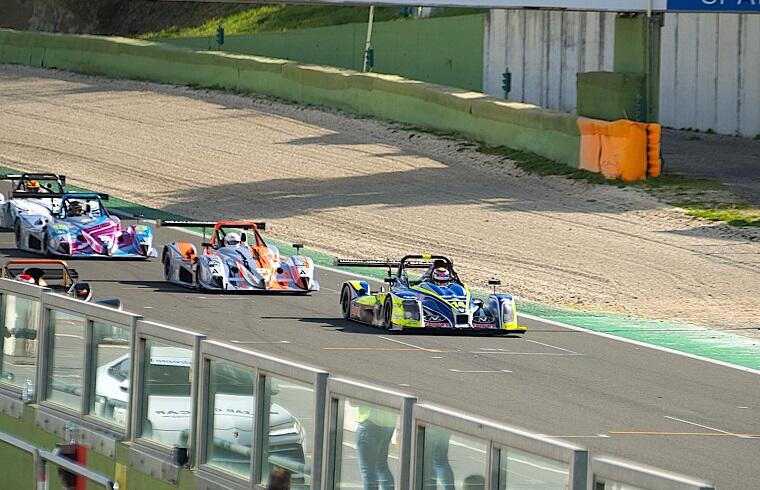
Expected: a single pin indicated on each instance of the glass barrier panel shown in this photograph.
(167, 401)
(518, 469)
(231, 410)
(610, 485)
(367, 446)
(21, 319)
(452, 461)
(290, 427)
(110, 344)
(66, 354)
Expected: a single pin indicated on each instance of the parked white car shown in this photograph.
(169, 404)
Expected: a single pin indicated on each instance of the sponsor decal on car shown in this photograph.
(437, 324)
(483, 325)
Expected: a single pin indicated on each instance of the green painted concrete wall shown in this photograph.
(611, 96)
(409, 48)
(483, 118)
(633, 54)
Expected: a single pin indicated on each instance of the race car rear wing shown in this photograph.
(49, 268)
(260, 225)
(61, 178)
(58, 195)
(411, 264)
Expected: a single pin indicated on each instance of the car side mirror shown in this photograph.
(390, 280)
(478, 303)
(207, 244)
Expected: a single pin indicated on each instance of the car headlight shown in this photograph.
(508, 311)
(411, 309)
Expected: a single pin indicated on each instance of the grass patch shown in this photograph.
(731, 215)
(700, 198)
(278, 18)
(281, 17)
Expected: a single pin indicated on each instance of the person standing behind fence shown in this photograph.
(373, 438)
(437, 446)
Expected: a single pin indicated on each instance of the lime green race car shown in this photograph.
(437, 299)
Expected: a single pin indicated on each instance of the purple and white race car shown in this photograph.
(80, 226)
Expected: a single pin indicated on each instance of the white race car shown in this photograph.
(169, 405)
(42, 185)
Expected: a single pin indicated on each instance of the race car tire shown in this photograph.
(388, 313)
(17, 233)
(345, 302)
(167, 267)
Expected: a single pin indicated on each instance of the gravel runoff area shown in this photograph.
(359, 187)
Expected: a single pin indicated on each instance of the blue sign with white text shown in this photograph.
(715, 5)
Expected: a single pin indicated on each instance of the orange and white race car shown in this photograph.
(236, 259)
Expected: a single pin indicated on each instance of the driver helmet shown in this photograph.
(231, 239)
(27, 278)
(32, 186)
(74, 209)
(441, 276)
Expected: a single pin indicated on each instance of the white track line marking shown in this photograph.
(555, 354)
(643, 344)
(379, 349)
(260, 342)
(551, 346)
(741, 436)
(464, 371)
(597, 436)
(409, 345)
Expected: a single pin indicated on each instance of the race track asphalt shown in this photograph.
(674, 412)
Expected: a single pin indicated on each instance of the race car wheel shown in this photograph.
(345, 302)
(167, 267)
(388, 313)
(17, 233)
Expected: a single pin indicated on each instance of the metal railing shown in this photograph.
(41, 458)
(176, 382)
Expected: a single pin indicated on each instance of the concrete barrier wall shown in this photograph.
(483, 118)
(545, 50)
(409, 48)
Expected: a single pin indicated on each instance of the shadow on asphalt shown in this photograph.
(168, 287)
(353, 327)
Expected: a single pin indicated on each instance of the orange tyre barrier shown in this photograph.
(654, 163)
(619, 149)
